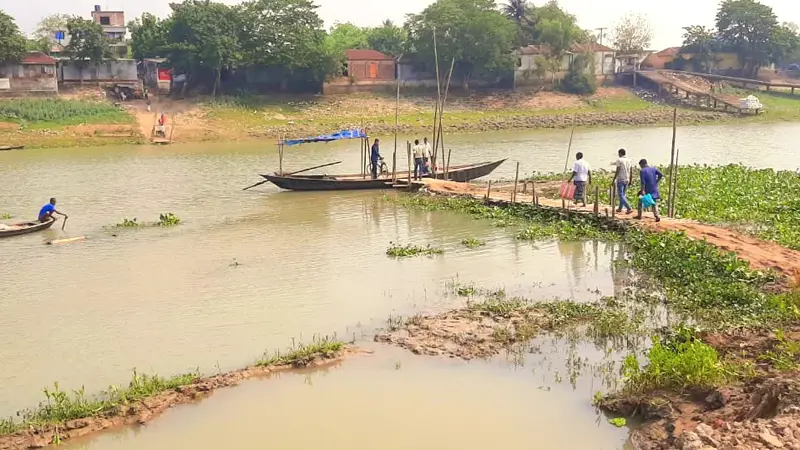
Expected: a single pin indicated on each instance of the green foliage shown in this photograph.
(785, 355)
(679, 363)
(701, 42)
(87, 42)
(12, 41)
(126, 223)
(472, 243)
(632, 34)
(618, 422)
(523, 14)
(58, 110)
(148, 36)
(405, 251)
(388, 38)
(557, 29)
(6, 216)
(168, 220)
(345, 36)
(301, 355)
(580, 78)
(473, 32)
(45, 33)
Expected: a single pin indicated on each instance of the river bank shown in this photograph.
(244, 118)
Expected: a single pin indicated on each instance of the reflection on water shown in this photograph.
(395, 400)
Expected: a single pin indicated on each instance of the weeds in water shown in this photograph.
(126, 223)
(618, 422)
(406, 251)
(785, 355)
(5, 216)
(678, 362)
(394, 323)
(415, 320)
(472, 243)
(168, 220)
(301, 355)
(499, 306)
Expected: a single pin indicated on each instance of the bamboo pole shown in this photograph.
(394, 167)
(172, 128)
(516, 178)
(533, 189)
(569, 146)
(597, 200)
(439, 141)
(489, 191)
(447, 165)
(674, 188)
(613, 201)
(438, 86)
(396, 124)
(672, 156)
(408, 149)
(362, 158)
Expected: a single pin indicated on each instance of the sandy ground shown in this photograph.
(761, 255)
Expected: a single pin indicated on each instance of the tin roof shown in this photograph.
(367, 55)
(38, 58)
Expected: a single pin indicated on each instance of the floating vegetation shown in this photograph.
(168, 220)
(472, 243)
(6, 216)
(409, 250)
(618, 422)
(301, 355)
(127, 223)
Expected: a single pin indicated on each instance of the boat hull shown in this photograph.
(26, 228)
(460, 174)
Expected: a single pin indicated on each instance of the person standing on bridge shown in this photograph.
(622, 179)
(419, 161)
(649, 177)
(582, 175)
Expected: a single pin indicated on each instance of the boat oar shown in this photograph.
(65, 223)
(294, 173)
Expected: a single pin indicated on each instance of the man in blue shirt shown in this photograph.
(375, 156)
(649, 177)
(47, 211)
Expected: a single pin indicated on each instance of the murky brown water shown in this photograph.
(171, 300)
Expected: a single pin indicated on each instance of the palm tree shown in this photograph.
(521, 13)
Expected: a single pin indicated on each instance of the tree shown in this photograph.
(473, 32)
(148, 36)
(287, 34)
(580, 78)
(204, 35)
(522, 13)
(632, 34)
(343, 37)
(785, 43)
(749, 27)
(387, 38)
(87, 43)
(556, 29)
(47, 28)
(702, 43)
(12, 42)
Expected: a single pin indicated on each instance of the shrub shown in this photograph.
(580, 78)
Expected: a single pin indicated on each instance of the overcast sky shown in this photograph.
(666, 17)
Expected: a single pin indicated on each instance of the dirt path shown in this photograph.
(760, 254)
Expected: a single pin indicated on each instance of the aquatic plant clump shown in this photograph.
(472, 243)
(301, 355)
(409, 250)
(168, 220)
(128, 223)
(6, 216)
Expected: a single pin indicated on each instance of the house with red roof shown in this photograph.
(34, 75)
(369, 65)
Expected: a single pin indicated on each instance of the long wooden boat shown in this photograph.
(16, 229)
(11, 147)
(461, 174)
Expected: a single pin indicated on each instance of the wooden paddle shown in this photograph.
(65, 223)
(294, 173)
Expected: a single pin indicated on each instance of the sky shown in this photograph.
(666, 17)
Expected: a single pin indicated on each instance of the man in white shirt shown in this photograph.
(581, 174)
(428, 154)
(622, 179)
(419, 161)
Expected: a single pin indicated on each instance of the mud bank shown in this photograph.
(145, 410)
(762, 412)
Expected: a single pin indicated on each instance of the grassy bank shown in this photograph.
(60, 407)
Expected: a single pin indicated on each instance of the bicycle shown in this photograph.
(382, 169)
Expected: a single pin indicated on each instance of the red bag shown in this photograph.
(567, 191)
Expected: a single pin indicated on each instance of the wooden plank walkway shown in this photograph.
(762, 255)
(744, 81)
(676, 86)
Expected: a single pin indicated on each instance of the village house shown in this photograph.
(630, 62)
(113, 23)
(34, 75)
(527, 71)
(369, 65)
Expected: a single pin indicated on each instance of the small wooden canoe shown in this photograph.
(16, 229)
(356, 182)
(11, 147)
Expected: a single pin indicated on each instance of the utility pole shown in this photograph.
(600, 41)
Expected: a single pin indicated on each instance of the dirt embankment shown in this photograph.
(760, 413)
(142, 412)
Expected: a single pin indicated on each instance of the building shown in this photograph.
(630, 62)
(154, 75)
(113, 23)
(34, 75)
(369, 65)
(528, 71)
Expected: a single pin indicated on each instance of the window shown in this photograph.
(373, 70)
(519, 62)
(105, 20)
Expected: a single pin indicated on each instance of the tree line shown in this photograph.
(207, 40)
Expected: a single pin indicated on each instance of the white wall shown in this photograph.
(123, 70)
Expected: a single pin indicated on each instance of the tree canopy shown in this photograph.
(473, 32)
(87, 43)
(749, 27)
(12, 42)
(45, 33)
(632, 34)
(388, 38)
(148, 36)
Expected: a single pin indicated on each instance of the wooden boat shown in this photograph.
(11, 147)
(461, 174)
(24, 228)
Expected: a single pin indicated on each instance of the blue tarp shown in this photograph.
(355, 133)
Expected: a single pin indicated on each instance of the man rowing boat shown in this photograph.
(47, 211)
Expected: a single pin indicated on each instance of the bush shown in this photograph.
(580, 77)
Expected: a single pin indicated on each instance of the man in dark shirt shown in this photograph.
(375, 157)
(649, 177)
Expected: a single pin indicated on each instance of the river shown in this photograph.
(249, 271)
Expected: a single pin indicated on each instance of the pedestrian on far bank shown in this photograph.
(649, 177)
(419, 161)
(622, 179)
(581, 176)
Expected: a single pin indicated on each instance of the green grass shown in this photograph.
(60, 406)
(301, 355)
(785, 356)
(472, 243)
(38, 113)
(410, 250)
(778, 105)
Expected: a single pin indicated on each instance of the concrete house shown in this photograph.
(369, 65)
(527, 71)
(113, 23)
(34, 75)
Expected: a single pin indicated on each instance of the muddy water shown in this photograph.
(394, 400)
(249, 271)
